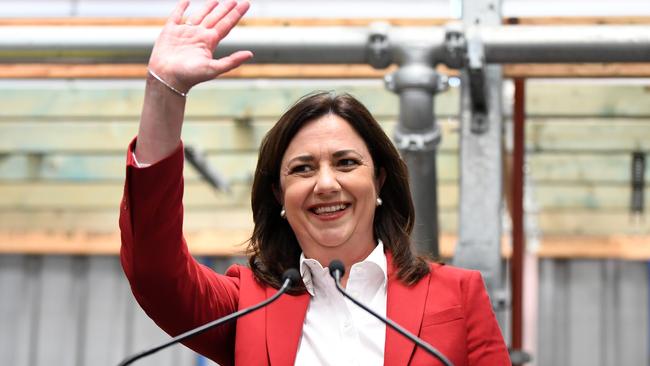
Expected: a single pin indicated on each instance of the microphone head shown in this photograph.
(336, 265)
(292, 275)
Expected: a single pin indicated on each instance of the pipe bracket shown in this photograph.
(475, 67)
(378, 47)
(455, 44)
(427, 141)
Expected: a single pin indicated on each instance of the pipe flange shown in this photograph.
(416, 76)
(427, 141)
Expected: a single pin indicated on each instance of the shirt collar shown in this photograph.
(309, 268)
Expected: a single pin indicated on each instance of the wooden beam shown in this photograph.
(630, 247)
(613, 70)
(618, 20)
(213, 243)
(306, 22)
(257, 22)
(138, 71)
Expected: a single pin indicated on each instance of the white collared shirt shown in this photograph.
(335, 330)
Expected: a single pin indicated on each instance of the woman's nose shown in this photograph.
(326, 181)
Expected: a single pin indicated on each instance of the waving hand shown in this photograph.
(182, 55)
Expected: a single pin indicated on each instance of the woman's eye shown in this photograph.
(301, 169)
(348, 163)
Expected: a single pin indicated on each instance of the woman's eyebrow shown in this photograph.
(302, 159)
(342, 153)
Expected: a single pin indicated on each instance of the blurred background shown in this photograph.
(64, 129)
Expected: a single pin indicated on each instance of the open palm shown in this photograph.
(182, 55)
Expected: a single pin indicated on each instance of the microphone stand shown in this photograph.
(290, 276)
(337, 270)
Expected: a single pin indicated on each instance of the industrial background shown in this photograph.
(64, 128)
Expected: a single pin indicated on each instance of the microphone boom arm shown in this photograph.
(205, 327)
(427, 347)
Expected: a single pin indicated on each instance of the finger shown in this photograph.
(205, 10)
(218, 13)
(177, 14)
(231, 19)
(228, 63)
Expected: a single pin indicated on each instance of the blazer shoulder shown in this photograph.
(449, 272)
(250, 289)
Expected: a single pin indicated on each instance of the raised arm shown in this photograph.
(182, 58)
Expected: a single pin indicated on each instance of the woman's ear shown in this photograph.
(277, 192)
(380, 179)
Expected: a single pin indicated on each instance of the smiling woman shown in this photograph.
(329, 150)
(329, 184)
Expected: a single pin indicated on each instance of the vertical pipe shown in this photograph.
(518, 237)
(416, 117)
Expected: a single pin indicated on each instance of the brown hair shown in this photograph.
(273, 247)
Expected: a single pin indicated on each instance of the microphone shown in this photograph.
(289, 277)
(337, 270)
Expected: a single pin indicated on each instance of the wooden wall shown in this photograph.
(62, 146)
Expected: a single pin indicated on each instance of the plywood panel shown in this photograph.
(269, 99)
(589, 98)
(198, 195)
(582, 167)
(64, 196)
(242, 100)
(235, 167)
(587, 135)
(97, 222)
(557, 135)
(239, 166)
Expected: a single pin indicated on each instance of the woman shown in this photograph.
(329, 185)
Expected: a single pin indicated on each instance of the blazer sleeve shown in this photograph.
(175, 290)
(485, 344)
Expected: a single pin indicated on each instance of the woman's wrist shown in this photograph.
(166, 83)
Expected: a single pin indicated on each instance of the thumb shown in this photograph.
(230, 62)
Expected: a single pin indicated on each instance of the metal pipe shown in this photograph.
(549, 44)
(288, 45)
(417, 135)
(416, 119)
(331, 45)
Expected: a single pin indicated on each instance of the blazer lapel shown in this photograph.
(405, 306)
(284, 320)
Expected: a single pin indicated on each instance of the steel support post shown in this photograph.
(479, 222)
(417, 135)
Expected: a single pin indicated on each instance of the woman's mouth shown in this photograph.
(329, 210)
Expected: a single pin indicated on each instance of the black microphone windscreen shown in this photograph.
(336, 265)
(292, 275)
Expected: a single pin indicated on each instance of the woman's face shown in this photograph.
(329, 190)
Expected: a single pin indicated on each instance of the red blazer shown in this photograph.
(449, 308)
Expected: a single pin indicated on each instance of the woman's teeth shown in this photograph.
(329, 209)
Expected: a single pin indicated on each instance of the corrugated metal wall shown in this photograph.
(73, 311)
(593, 312)
(78, 310)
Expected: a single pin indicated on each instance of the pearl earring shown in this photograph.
(283, 213)
(379, 201)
